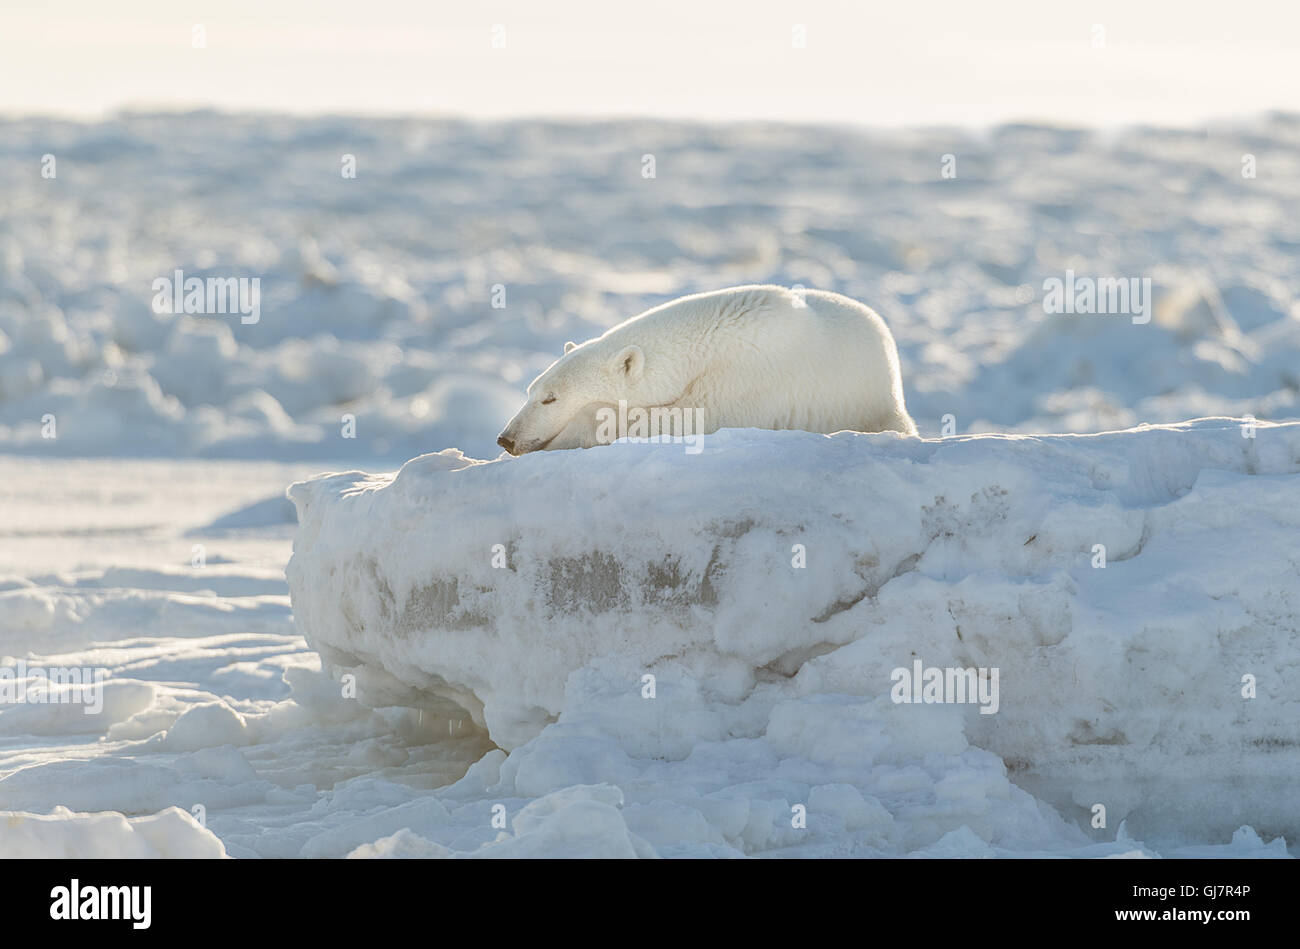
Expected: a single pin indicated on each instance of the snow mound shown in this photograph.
(773, 583)
(63, 834)
(274, 511)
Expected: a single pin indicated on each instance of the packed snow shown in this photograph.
(499, 710)
(423, 294)
(774, 587)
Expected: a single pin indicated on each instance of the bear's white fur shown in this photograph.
(745, 357)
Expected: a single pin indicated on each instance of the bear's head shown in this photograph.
(562, 406)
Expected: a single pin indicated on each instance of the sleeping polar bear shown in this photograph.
(746, 357)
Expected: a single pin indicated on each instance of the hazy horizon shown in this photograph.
(943, 64)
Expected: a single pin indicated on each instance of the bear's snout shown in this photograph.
(506, 443)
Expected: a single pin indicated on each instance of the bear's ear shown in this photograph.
(569, 347)
(630, 363)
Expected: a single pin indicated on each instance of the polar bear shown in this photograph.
(744, 357)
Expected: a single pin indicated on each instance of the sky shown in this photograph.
(876, 63)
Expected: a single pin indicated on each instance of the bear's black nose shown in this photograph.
(506, 443)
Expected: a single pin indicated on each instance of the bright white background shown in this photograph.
(1173, 62)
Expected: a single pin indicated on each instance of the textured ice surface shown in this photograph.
(378, 292)
(535, 593)
(378, 305)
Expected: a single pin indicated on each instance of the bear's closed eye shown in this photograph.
(548, 400)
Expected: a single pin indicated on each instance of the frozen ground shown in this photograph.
(1118, 686)
(177, 433)
(377, 291)
(98, 571)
